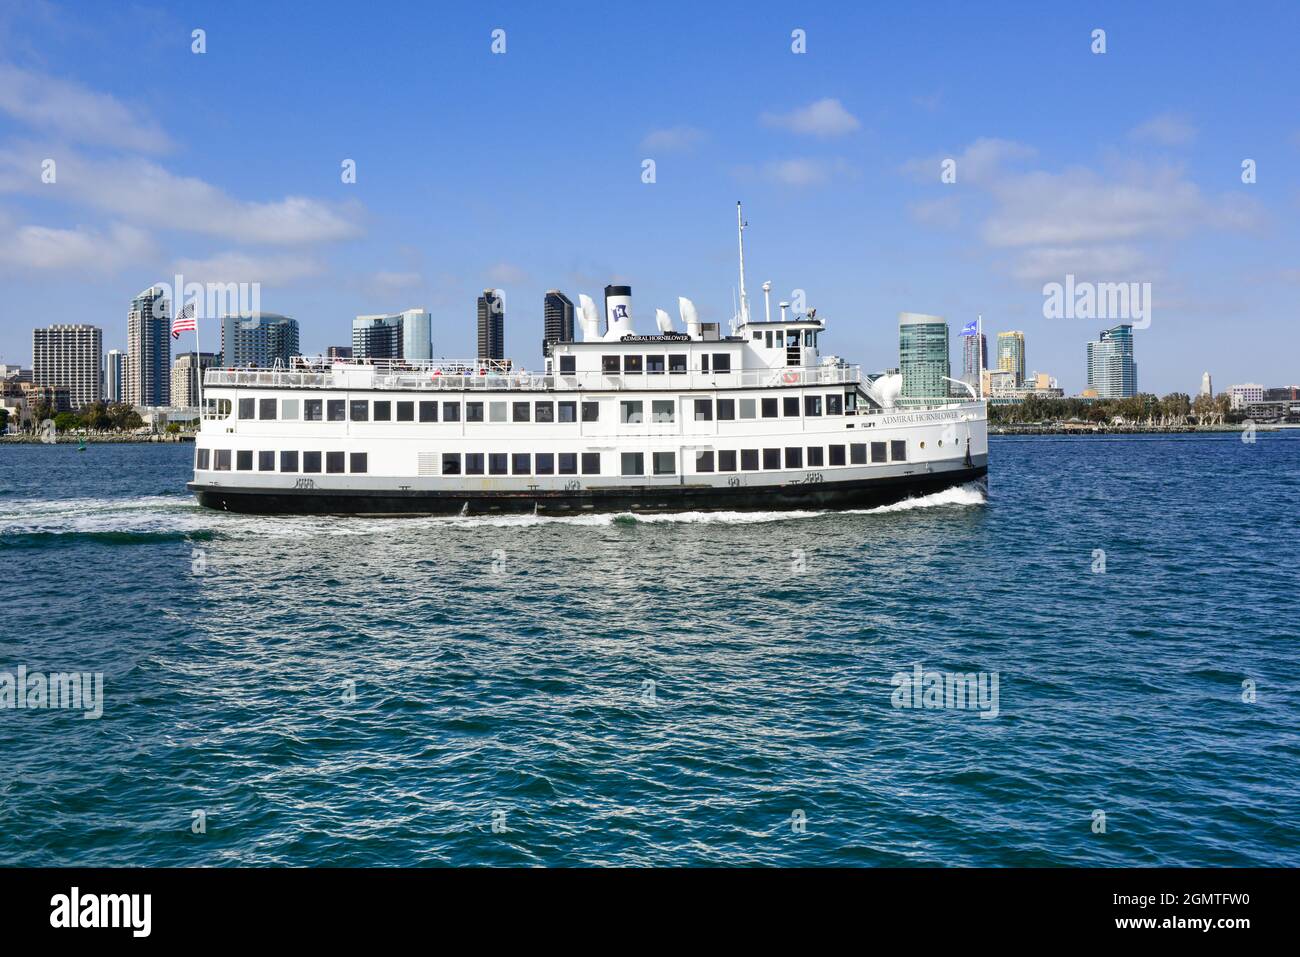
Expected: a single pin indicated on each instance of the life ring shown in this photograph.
(790, 378)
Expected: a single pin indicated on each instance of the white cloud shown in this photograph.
(1167, 129)
(386, 281)
(943, 213)
(270, 270)
(826, 117)
(979, 163)
(507, 274)
(66, 108)
(676, 139)
(804, 172)
(78, 249)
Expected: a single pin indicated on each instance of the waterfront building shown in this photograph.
(70, 356)
(923, 355)
(377, 337)
(1112, 370)
(263, 339)
(57, 397)
(1011, 354)
(185, 377)
(491, 325)
(557, 319)
(1207, 386)
(115, 376)
(338, 352)
(974, 360)
(1287, 393)
(1247, 394)
(147, 368)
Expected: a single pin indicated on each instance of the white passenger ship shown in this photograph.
(674, 421)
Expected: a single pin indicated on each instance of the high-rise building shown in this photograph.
(1207, 387)
(923, 355)
(261, 339)
(557, 319)
(1112, 370)
(417, 338)
(491, 325)
(71, 356)
(185, 377)
(377, 337)
(1011, 354)
(115, 376)
(148, 350)
(1244, 395)
(974, 359)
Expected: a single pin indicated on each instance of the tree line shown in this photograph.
(1176, 408)
(95, 417)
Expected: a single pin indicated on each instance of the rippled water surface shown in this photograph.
(698, 689)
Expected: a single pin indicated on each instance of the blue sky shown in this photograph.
(523, 170)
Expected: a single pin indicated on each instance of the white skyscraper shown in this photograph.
(1207, 387)
(70, 356)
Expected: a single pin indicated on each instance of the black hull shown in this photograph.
(867, 493)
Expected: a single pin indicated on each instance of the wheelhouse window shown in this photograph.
(358, 462)
(244, 460)
(726, 410)
(543, 412)
(288, 461)
(703, 410)
(633, 463)
(590, 411)
(360, 410)
(704, 461)
(834, 404)
(790, 405)
(749, 460)
(451, 412)
(521, 412)
(311, 461)
(812, 405)
(383, 411)
(222, 460)
(266, 408)
(428, 411)
(676, 364)
(771, 458)
(898, 450)
(450, 463)
(721, 362)
(654, 365)
(406, 412)
(727, 460)
(665, 463)
(610, 365)
(246, 408)
(633, 364)
(568, 411)
(630, 413)
(336, 410)
(568, 365)
(266, 461)
(663, 410)
(704, 362)
(590, 463)
(334, 462)
(769, 408)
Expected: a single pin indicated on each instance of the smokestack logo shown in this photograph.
(620, 311)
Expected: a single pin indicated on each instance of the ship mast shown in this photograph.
(740, 235)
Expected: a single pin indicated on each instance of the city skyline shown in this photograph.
(838, 157)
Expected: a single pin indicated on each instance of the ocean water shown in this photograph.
(696, 689)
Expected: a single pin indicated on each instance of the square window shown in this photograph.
(473, 463)
(590, 463)
(663, 410)
(521, 412)
(703, 410)
(769, 408)
(406, 412)
(727, 460)
(544, 463)
(794, 458)
(878, 452)
(898, 450)
(383, 411)
(336, 410)
(496, 411)
(521, 463)
(244, 460)
(633, 364)
(450, 463)
(568, 365)
(629, 413)
(633, 463)
(721, 362)
(747, 407)
(247, 408)
(266, 461)
(334, 462)
(790, 405)
(858, 453)
(569, 463)
(726, 410)
(665, 463)
(311, 461)
(758, 336)
(676, 364)
(428, 411)
(222, 457)
(704, 461)
(610, 365)
(771, 458)
(473, 411)
(837, 455)
(568, 411)
(812, 405)
(543, 411)
(288, 461)
(497, 463)
(834, 404)
(201, 459)
(590, 411)
(358, 463)
(266, 408)
(654, 365)
(451, 412)
(360, 410)
(289, 409)
(816, 456)
(749, 460)
(311, 410)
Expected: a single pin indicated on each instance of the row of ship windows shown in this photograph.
(566, 463)
(631, 411)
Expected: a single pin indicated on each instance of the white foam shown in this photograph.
(971, 493)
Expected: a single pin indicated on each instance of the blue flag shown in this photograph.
(968, 329)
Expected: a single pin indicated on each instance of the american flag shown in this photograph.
(185, 322)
